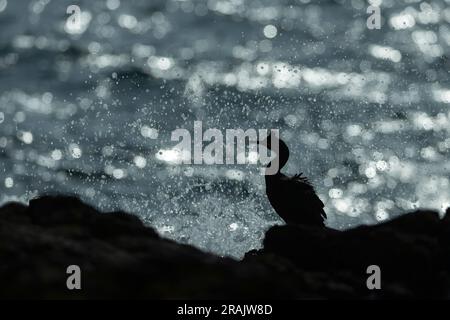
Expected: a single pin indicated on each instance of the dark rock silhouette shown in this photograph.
(121, 258)
(293, 198)
(412, 251)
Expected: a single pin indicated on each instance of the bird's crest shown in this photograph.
(300, 178)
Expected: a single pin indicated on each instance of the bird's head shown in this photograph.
(274, 143)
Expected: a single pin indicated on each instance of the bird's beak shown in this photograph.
(265, 142)
(261, 142)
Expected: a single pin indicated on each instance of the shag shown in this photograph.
(293, 198)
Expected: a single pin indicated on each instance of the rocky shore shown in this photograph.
(120, 257)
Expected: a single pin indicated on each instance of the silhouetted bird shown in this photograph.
(293, 198)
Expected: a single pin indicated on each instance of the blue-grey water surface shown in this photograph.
(89, 111)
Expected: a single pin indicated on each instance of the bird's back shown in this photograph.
(295, 200)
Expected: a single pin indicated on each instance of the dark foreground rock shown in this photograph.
(119, 257)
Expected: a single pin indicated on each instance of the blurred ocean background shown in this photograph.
(89, 111)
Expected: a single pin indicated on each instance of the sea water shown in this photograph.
(89, 110)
